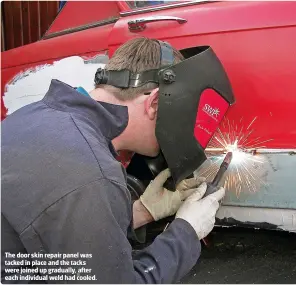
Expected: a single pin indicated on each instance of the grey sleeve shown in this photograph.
(94, 219)
(172, 254)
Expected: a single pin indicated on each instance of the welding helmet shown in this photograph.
(194, 96)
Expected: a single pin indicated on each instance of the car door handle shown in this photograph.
(140, 24)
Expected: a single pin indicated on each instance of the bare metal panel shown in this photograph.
(270, 182)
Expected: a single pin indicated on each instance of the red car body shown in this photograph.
(255, 41)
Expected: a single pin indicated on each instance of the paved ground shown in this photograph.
(246, 256)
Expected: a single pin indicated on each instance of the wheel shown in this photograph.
(135, 186)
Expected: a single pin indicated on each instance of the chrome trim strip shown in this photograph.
(291, 151)
(164, 7)
(80, 28)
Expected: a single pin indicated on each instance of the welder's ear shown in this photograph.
(151, 104)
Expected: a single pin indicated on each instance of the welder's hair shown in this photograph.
(136, 55)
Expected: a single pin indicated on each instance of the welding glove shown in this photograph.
(161, 202)
(200, 212)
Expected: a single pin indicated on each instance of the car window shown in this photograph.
(149, 3)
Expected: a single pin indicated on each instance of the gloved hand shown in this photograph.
(200, 213)
(161, 202)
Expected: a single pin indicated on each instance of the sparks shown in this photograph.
(246, 169)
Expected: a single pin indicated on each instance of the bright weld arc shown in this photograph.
(245, 170)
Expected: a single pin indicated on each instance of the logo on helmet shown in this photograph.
(213, 112)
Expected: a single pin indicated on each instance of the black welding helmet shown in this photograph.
(194, 96)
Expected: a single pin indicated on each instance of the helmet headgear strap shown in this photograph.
(126, 79)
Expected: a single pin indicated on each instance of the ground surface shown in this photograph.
(245, 256)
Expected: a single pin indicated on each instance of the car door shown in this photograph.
(256, 43)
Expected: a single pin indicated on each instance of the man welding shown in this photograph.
(64, 192)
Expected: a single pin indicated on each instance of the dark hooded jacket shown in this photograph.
(63, 191)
